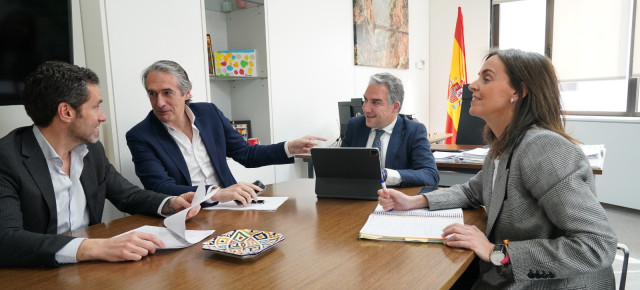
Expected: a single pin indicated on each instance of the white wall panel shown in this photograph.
(140, 33)
(310, 69)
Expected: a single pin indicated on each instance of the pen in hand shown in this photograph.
(384, 187)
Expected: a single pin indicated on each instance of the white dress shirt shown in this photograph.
(393, 176)
(71, 202)
(195, 154)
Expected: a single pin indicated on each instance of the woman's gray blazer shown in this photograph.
(559, 234)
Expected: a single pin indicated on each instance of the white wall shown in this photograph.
(124, 37)
(140, 33)
(12, 117)
(617, 185)
(310, 69)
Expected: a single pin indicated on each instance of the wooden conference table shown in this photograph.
(321, 250)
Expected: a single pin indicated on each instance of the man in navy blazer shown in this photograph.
(182, 144)
(54, 178)
(408, 160)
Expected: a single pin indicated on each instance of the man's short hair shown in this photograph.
(394, 87)
(172, 67)
(52, 83)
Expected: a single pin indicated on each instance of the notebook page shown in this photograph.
(401, 227)
(453, 212)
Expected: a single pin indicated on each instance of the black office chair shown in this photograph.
(469, 127)
(348, 110)
(625, 263)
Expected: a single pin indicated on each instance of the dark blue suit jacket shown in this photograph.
(161, 167)
(409, 151)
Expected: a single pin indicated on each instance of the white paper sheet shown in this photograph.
(175, 235)
(172, 240)
(270, 204)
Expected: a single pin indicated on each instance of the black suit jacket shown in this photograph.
(28, 216)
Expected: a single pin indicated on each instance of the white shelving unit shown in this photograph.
(242, 98)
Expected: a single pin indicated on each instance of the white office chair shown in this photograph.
(625, 263)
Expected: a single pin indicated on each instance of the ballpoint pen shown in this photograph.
(384, 187)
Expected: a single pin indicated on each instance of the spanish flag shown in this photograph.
(457, 78)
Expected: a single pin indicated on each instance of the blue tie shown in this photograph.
(376, 140)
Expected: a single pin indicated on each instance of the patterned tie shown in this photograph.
(376, 140)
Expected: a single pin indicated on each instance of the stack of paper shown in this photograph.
(443, 156)
(595, 155)
(474, 156)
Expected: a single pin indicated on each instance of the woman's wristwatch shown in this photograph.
(500, 254)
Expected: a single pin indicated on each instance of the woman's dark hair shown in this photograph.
(540, 106)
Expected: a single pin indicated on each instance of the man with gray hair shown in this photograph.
(182, 144)
(404, 148)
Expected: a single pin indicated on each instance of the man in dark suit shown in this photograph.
(54, 178)
(182, 144)
(404, 149)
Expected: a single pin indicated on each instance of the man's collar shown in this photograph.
(47, 149)
(190, 115)
(389, 128)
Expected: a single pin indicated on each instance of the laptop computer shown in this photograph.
(350, 172)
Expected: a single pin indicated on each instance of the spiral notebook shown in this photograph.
(417, 225)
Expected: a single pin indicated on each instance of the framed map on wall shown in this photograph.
(381, 33)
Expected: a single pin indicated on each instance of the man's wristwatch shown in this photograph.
(500, 254)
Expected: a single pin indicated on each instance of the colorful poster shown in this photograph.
(236, 63)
